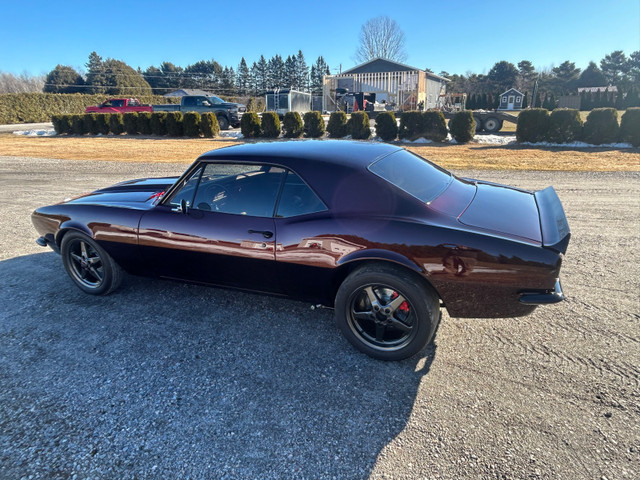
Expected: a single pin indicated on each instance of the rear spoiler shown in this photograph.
(553, 221)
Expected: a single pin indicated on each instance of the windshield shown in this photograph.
(215, 100)
(413, 174)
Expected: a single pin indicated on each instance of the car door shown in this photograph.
(217, 228)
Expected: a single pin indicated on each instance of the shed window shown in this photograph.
(504, 99)
(518, 98)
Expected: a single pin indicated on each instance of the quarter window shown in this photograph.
(297, 198)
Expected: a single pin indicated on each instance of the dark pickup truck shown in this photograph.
(229, 114)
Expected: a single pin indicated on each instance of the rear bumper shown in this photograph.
(543, 298)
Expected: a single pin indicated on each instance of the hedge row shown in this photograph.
(174, 124)
(40, 107)
(565, 126)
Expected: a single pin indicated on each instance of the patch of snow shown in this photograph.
(494, 139)
(578, 145)
(48, 132)
(231, 134)
(419, 140)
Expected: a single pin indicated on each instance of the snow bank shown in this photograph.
(494, 139)
(231, 134)
(48, 132)
(578, 145)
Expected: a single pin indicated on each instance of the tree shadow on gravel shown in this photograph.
(167, 380)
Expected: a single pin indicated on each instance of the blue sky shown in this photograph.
(456, 37)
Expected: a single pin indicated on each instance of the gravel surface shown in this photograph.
(163, 380)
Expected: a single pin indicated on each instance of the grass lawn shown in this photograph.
(456, 157)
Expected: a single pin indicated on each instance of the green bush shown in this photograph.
(533, 125)
(131, 123)
(158, 123)
(463, 126)
(630, 126)
(601, 126)
(292, 125)
(209, 124)
(565, 126)
(103, 123)
(313, 124)
(387, 126)
(250, 125)
(255, 104)
(77, 125)
(116, 123)
(191, 124)
(175, 124)
(91, 121)
(434, 125)
(39, 107)
(270, 125)
(410, 125)
(337, 126)
(144, 123)
(358, 126)
(61, 124)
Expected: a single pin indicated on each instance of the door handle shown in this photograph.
(265, 233)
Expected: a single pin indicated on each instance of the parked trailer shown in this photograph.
(286, 100)
(490, 122)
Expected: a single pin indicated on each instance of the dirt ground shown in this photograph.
(162, 380)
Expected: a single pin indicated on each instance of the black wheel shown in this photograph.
(492, 125)
(386, 313)
(90, 267)
(478, 124)
(223, 123)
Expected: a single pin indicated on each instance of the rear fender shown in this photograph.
(378, 254)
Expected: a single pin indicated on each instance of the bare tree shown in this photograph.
(381, 37)
(23, 83)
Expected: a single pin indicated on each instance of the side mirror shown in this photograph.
(206, 103)
(183, 206)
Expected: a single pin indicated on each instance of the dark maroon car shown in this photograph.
(380, 234)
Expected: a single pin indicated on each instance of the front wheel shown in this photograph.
(90, 267)
(384, 312)
(223, 123)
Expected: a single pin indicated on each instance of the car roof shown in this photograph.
(338, 152)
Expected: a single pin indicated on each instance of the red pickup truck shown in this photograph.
(119, 105)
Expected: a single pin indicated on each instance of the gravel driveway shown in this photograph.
(162, 380)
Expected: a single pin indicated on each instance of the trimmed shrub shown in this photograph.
(61, 124)
(175, 125)
(434, 125)
(630, 126)
(292, 125)
(255, 104)
(191, 124)
(337, 126)
(463, 126)
(103, 123)
(386, 126)
(601, 126)
(131, 123)
(77, 125)
(209, 124)
(565, 125)
(250, 125)
(313, 124)
(91, 121)
(358, 126)
(116, 123)
(158, 123)
(144, 123)
(533, 125)
(270, 125)
(410, 125)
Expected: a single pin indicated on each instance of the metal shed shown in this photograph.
(399, 86)
(286, 100)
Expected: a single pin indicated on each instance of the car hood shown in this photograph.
(139, 194)
(504, 210)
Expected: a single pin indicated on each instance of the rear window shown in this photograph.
(413, 174)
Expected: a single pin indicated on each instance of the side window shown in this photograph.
(187, 190)
(240, 189)
(297, 198)
(118, 103)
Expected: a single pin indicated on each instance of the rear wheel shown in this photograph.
(223, 123)
(90, 267)
(478, 124)
(384, 312)
(492, 125)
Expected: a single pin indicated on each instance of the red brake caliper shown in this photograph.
(404, 306)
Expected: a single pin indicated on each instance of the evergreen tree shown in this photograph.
(63, 79)
(205, 75)
(502, 76)
(566, 75)
(228, 82)
(275, 72)
(526, 76)
(318, 70)
(591, 76)
(243, 78)
(114, 77)
(290, 71)
(302, 73)
(614, 66)
(259, 71)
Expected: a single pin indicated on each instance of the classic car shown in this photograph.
(380, 234)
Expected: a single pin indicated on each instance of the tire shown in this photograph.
(492, 125)
(386, 312)
(223, 123)
(478, 124)
(90, 267)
